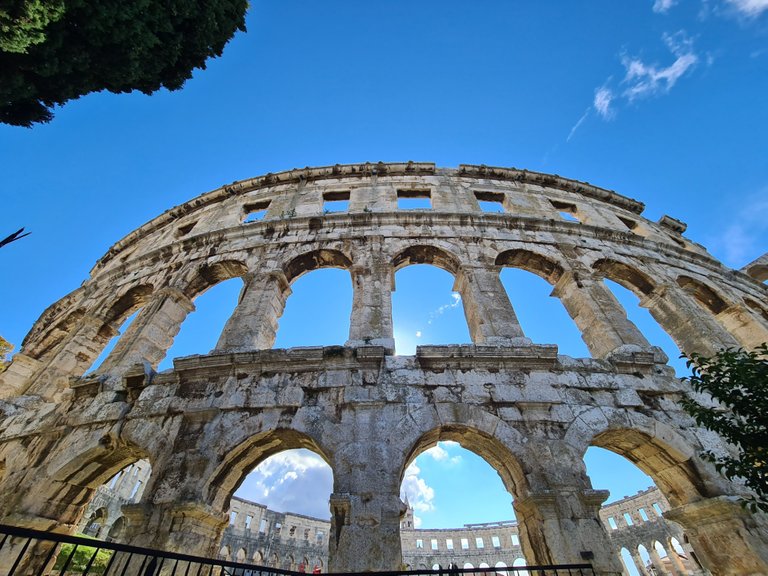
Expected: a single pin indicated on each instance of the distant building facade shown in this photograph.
(638, 532)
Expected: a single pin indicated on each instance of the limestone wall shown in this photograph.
(530, 412)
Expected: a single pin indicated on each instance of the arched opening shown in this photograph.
(215, 290)
(434, 486)
(501, 568)
(518, 563)
(276, 488)
(705, 296)
(629, 563)
(318, 311)
(425, 307)
(645, 558)
(95, 522)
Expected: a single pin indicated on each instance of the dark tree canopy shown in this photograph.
(738, 380)
(52, 51)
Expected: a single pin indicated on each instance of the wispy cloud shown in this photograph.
(440, 453)
(292, 481)
(602, 102)
(663, 6)
(644, 79)
(741, 234)
(578, 124)
(455, 301)
(418, 493)
(749, 8)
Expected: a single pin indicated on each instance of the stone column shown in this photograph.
(365, 531)
(371, 320)
(602, 320)
(747, 330)
(562, 526)
(693, 329)
(677, 562)
(72, 358)
(490, 316)
(253, 325)
(151, 333)
(656, 561)
(639, 564)
(727, 539)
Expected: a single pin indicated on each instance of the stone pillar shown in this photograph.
(253, 325)
(490, 316)
(677, 562)
(151, 333)
(747, 330)
(639, 564)
(693, 329)
(656, 561)
(365, 531)
(72, 358)
(371, 320)
(727, 539)
(602, 320)
(562, 526)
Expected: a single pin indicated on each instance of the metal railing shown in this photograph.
(27, 552)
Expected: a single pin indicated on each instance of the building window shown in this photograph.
(566, 210)
(628, 519)
(319, 536)
(612, 523)
(657, 509)
(262, 526)
(414, 200)
(479, 543)
(419, 543)
(335, 202)
(136, 488)
(449, 543)
(490, 201)
(515, 540)
(248, 520)
(643, 514)
(495, 541)
(255, 212)
(232, 516)
(433, 543)
(464, 544)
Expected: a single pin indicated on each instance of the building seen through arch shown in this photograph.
(527, 408)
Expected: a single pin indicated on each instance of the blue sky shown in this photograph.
(663, 101)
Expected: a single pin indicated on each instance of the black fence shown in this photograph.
(26, 552)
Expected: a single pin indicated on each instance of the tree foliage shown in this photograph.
(738, 380)
(52, 51)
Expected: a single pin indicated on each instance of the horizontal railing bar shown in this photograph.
(30, 534)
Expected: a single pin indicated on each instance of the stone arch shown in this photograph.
(706, 296)
(208, 275)
(125, 305)
(117, 529)
(626, 275)
(274, 560)
(258, 557)
(246, 454)
(759, 272)
(759, 310)
(52, 337)
(483, 443)
(426, 254)
(654, 447)
(533, 262)
(241, 555)
(225, 553)
(313, 260)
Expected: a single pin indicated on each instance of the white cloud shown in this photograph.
(455, 301)
(602, 102)
(743, 232)
(648, 79)
(663, 6)
(440, 452)
(578, 124)
(418, 333)
(418, 493)
(749, 8)
(292, 481)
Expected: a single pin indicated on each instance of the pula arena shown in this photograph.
(528, 411)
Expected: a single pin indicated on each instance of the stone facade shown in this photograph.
(530, 412)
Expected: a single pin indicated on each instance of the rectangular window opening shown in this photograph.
(248, 520)
(319, 536)
(232, 517)
(643, 514)
(490, 201)
(449, 543)
(414, 200)
(186, 229)
(495, 541)
(479, 544)
(433, 543)
(630, 224)
(262, 526)
(465, 544)
(515, 540)
(419, 543)
(336, 202)
(135, 490)
(628, 519)
(657, 509)
(255, 212)
(612, 523)
(566, 210)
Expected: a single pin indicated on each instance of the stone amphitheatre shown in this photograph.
(528, 411)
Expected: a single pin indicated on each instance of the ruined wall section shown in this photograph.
(530, 412)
